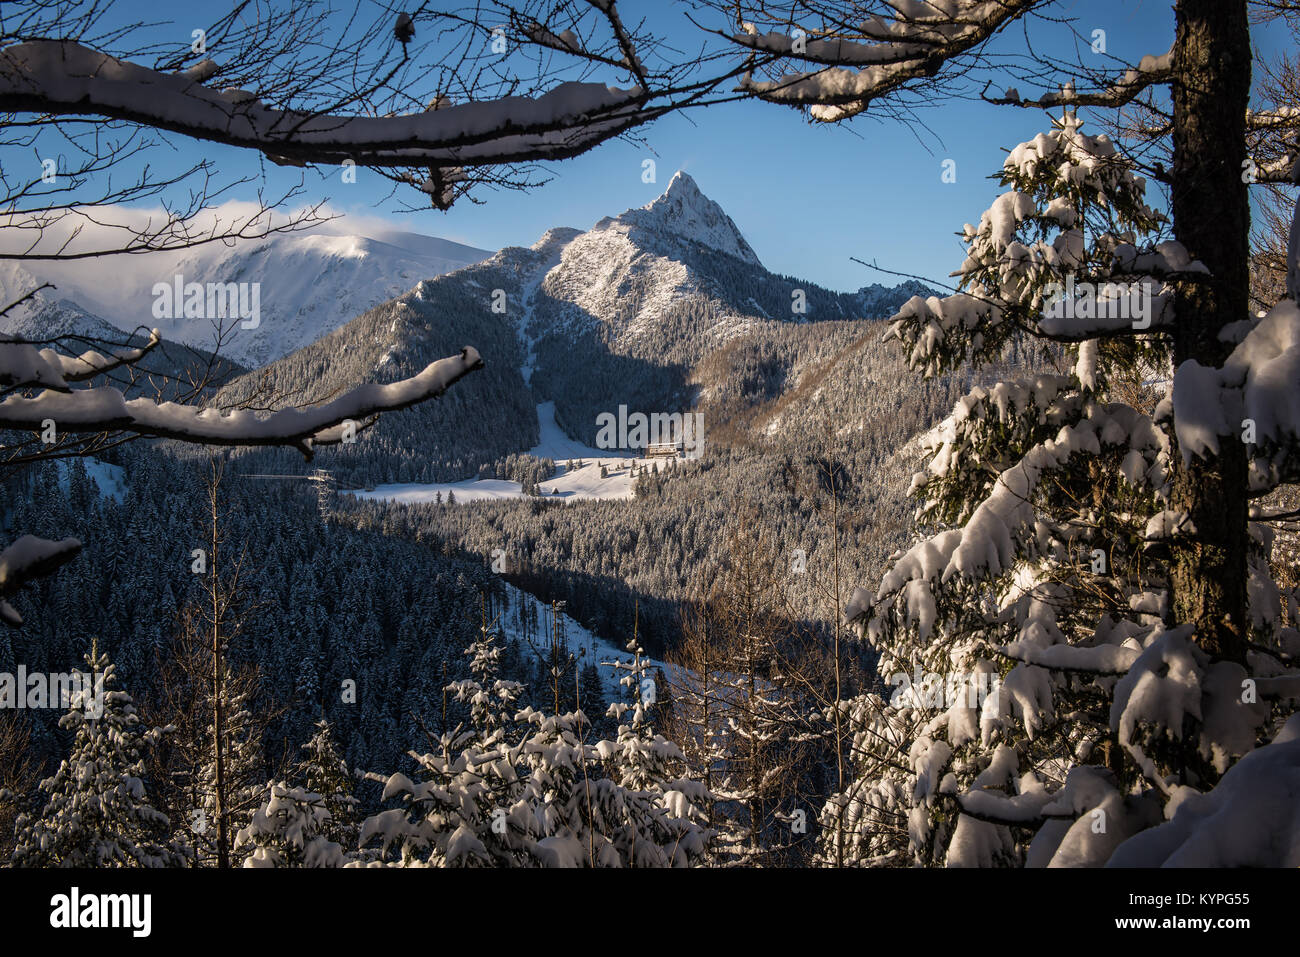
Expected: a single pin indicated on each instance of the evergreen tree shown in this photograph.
(291, 829)
(96, 810)
(325, 773)
(530, 792)
(592, 698)
(1049, 704)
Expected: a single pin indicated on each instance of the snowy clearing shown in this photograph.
(565, 484)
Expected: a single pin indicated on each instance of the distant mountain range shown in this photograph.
(641, 310)
(170, 371)
(661, 308)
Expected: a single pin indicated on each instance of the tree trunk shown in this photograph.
(1212, 61)
(218, 711)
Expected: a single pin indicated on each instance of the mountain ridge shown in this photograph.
(310, 283)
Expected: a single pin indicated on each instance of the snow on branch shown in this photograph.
(1238, 823)
(988, 544)
(1066, 253)
(566, 41)
(1171, 679)
(1274, 132)
(106, 409)
(1150, 71)
(994, 807)
(1283, 169)
(27, 558)
(91, 363)
(64, 78)
(913, 43)
(22, 365)
(1103, 659)
(1253, 398)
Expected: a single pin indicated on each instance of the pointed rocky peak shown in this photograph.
(682, 188)
(685, 212)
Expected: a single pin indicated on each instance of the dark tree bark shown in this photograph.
(1212, 64)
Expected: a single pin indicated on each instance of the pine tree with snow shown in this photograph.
(291, 829)
(622, 802)
(1046, 704)
(592, 698)
(614, 803)
(97, 812)
(326, 774)
(491, 700)
(639, 757)
(526, 790)
(467, 810)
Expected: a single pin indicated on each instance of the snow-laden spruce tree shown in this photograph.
(525, 789)
(291, 829)
(311, 824)
(324, 772)
(1046, 705)
(466, 811)
(625, 802)
(96, 811)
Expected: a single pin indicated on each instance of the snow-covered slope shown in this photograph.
(109, 480)
(308, 284)
(171, 367)
(50, 317)
(566, 485)
(554, 444)
(585, 647)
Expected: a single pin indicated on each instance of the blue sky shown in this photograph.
(806, 197)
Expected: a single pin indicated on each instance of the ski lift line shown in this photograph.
(324, 478)
(326, 486)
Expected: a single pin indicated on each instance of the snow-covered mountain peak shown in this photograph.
(683, 187)
(684, 212)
